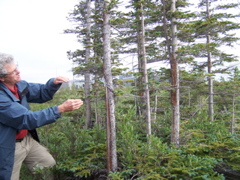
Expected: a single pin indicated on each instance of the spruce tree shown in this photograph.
(214, 27)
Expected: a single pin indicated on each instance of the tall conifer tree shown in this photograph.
(215, 23)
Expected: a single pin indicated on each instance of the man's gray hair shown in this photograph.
(5, 59)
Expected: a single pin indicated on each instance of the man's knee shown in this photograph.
(48, 162)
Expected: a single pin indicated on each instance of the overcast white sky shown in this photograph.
(32, 31)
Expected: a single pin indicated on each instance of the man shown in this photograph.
(18, 137)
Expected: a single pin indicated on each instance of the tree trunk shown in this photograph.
(155, 107)
(210, 80)
(233, 115)
(97, 39)
(174, 81)
(110, 105)
(147, 113)
(87, 73)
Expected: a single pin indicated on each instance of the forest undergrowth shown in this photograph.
(207, 151)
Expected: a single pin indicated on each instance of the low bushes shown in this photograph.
(81, 153)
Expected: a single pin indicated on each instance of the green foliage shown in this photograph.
(81, 152)
(78, 151)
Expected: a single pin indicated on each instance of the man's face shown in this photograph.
(13, 75)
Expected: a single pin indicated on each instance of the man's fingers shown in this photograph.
(77, 103)
(60, 79)
(74, 104)
(70, 105)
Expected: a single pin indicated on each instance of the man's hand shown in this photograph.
(70, 105)
(60, 79)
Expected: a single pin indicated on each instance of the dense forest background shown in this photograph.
(178, 119)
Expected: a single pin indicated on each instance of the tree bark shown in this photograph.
(87, 73)
(110, 105)
(210, 80)
(233, 115)
(147, 113)
(174, 81)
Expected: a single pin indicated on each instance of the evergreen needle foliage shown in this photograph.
(206, 147)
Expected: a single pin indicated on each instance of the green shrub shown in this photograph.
(81, 152)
